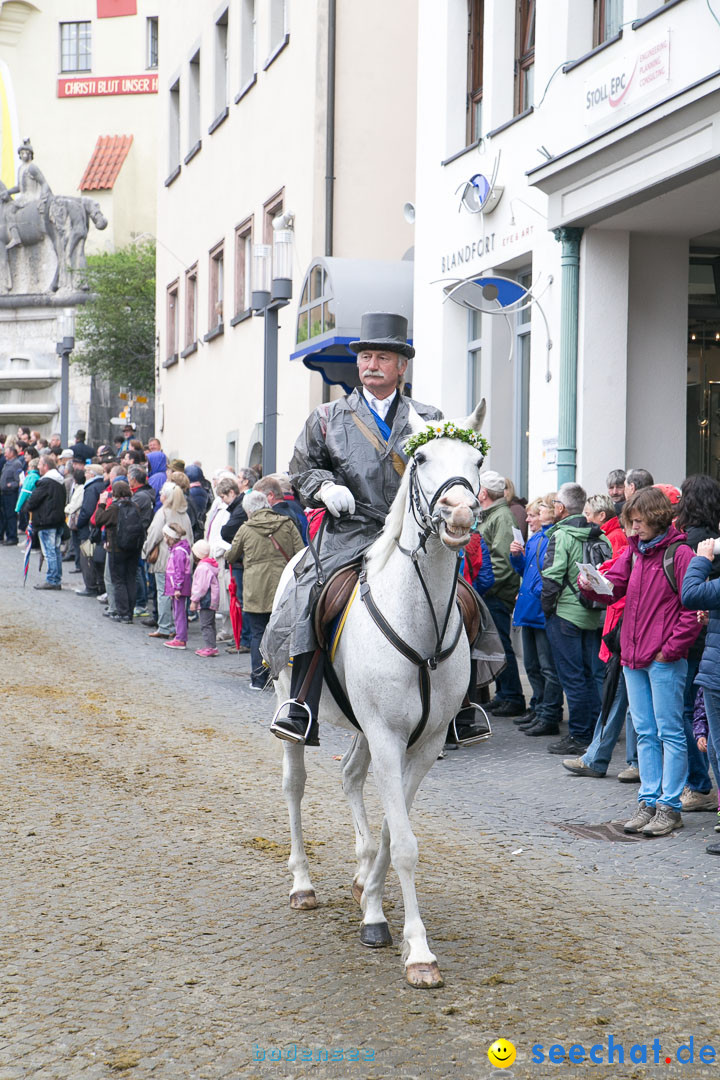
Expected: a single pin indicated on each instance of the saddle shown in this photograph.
(339, 588)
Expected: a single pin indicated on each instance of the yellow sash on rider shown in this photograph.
(341, 624)
(397, 462)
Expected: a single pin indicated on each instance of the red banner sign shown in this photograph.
(107, 86)
(109, 9)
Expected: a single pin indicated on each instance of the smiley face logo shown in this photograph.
(501, 1054)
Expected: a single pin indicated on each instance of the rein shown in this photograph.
(428, 523)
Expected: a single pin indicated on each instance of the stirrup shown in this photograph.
(283, 733)
(473, 738)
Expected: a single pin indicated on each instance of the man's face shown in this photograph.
(55, 441)
(380, 371)
(628, 489)
(616, 492)
(128, 433)
(43, 466)
(153, 445)
(229, 497)
(560, 510)
(25, 155)
(126, 460)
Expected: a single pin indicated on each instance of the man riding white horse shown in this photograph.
(349, 459)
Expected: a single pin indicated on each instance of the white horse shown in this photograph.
(427, 526)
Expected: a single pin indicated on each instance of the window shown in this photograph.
(217, 287)
(474, 357)
(316, 311)
(194, 102)
(522, 389)
(173, 321)
(75, 46)
(221, 63)
(271, 209)
(607, 20)
(174, 128)
(243, 266)
(476, 17)
(278, 24)
(152, 42)
(191, 282)
(248, 55)
(524, 56)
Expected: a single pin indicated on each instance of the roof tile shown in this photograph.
(106, 161)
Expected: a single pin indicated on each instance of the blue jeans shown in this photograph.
(656, 694)
(598, 754)
(507, 685)
(712, 711)
(50, 540)
(698, 773)
(245, 636)
(547, 700)
(9, 517)
(256, 622)
(576, 656)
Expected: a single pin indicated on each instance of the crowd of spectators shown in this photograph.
(154, 540)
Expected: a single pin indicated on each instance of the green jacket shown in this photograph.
(263, 564)
(496, 528)
(560, 573)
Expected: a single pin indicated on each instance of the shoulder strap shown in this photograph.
(668, 563)
(397, 462)
(282, 550)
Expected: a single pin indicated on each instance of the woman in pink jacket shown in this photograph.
(656, 635)
(178, 581)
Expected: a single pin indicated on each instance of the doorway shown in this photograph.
(703, 365)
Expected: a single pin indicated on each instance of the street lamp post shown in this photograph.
(272, 290)
(65, 345)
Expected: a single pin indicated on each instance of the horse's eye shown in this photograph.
(420, 457)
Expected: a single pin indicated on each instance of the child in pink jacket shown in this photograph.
(178, 580)
(205, 596)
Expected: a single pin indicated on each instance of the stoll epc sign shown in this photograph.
(628, 80)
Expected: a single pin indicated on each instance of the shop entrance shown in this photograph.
(703, 365)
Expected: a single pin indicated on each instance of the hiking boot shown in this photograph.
(630, 775)
(691, 800)
(640, 818)
(578, 767)
(665, 821)
(568, 745)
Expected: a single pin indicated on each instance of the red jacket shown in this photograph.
(654, 618)
(615, 534)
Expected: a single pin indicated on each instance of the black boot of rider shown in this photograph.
(294, 725)
(471, 723)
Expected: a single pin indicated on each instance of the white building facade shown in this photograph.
(591, 129)
(271, 109)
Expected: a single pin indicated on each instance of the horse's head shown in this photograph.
(445, 478)
(92, 208)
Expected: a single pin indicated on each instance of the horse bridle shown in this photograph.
(429, 523)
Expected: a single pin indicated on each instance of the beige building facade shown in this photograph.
(255, 126)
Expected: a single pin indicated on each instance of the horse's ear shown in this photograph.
(476, 419)
(415, 420)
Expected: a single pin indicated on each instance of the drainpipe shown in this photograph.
(330, 129)
(567, 420)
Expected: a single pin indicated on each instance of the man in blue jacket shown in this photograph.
(10, 481)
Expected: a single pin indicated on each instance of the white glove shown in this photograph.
(338, 499)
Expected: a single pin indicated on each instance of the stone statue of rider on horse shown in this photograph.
(350, 460)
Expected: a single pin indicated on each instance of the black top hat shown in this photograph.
(381, 330)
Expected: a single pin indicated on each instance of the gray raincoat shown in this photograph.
(340, 442)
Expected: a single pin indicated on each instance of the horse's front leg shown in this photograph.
(398, 844)
(354, 772)
(302, 894)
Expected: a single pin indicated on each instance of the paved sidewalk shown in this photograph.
(145, 929)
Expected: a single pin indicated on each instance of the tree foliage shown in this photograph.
(115, 330)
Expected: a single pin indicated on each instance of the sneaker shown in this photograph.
(699, 800)
(149, 622)
(665, 821)
(206, 652)
(578, 767)
(174, 644)
(86, 592)
(640, 818)
(225, 635)
(47, 585)
(102, 598)
(141, 613)
(253, 686)
(631, 775)
(109, 614)
(568, 745)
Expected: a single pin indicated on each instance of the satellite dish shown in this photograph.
(409, 213)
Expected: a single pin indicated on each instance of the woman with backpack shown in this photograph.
(124, 536)
(656, 636)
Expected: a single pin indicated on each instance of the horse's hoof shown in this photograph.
(357, 892)
(375, 935)
(424, 976)
(303, 901)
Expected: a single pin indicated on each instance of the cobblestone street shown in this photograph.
(145, 924)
